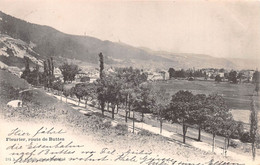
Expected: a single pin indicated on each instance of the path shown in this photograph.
(172, 136)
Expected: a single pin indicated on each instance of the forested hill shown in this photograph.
(51, 42)
(47, 41)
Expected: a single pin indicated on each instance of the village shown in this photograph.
(208, 74)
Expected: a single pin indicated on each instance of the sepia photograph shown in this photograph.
(129, 82)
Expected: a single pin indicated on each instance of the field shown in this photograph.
(237, 96)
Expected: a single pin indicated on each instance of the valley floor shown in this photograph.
(86, 126)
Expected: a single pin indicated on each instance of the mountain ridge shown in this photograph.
(50, 42)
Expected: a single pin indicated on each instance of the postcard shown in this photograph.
(129, 82)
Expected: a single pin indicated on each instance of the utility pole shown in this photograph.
(133, 121)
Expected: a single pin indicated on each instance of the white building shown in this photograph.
(221, 75)
(155, 76)
(57, 72)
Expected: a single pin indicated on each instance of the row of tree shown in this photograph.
(47, 77)
(126, 88)
(232, 76)
(203, 112)
(185, 73)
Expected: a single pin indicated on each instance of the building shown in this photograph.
(165, 75)
(222, 75)
(249, 75)
(57, 72)
(155, 76)
(80, 75)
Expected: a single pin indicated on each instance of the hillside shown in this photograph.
(13, 51)
(40, 42)
(50, 42)
(46, 111)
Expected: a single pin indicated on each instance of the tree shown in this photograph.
(89, 92)
(131, 79)
(144, 100)
(180, 73)
(34, 76)
(79, 91)
(232, 77)
(162, 100)
(180, 109)
(256, 80)
(101, 68)
(257, 88)
(230, 128)
(222, 70)
(45, 75)
(190, 73)
(69, 71)
(218, 78)
(198, 112)
(66, 92)
(171, 72)
(31, 77)
(240, 76)
(58, 85)
(198, 73)
(101, 93)
(101, 84)
(205, 76)
(26, 73)
(48, 73)
(217, 113)
(226, 75)
(126, 98)
(256, 77)
(253, 127)
(113, 91)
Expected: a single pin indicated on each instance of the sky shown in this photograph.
(229, 29)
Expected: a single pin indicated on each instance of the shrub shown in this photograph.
(245, 138)
(233, 144)
(121, 129)
(145, 133)
(106, 125)
(235, 136)
(93, 103)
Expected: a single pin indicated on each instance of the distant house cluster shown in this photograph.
(212, 72)
(242, 75)
(247, 75)
(87, 75)
(157, 75)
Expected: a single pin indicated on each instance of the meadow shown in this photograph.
(237, 96)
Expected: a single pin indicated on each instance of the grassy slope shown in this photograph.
(13, 80)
